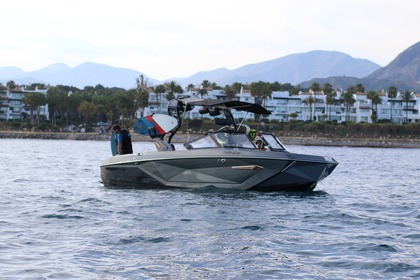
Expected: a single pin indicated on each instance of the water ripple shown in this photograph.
(57, 221)
(57, 216)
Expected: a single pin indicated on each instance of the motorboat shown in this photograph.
(227, 158)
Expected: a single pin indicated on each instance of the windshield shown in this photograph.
(272, 142)
(221, 139)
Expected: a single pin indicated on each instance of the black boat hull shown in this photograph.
(225, 168)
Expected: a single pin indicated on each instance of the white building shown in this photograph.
(284, 107)
(12, 106)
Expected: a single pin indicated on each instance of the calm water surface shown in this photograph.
(57, 221)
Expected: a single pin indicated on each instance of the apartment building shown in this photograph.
(285, 107)
(12, 106)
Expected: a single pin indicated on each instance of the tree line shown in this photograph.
(70, 105)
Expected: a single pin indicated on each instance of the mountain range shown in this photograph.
(294, 69)
(403, 72)
(337, 68)
(86, 74)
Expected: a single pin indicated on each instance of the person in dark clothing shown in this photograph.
(123, 139)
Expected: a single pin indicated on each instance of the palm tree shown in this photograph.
(376, 100)
(229, 91)
(275, 86)
(315, 87)
(159, 90)
(392, 93)
(360, 88)
(173, 87)
(238, 87)
(202, 92)
(407, 97)
(205, 84)
(349, 100)
(330, 101)
(11, 85)
(140, 98)
(215, 86)
(294, 91)
(190, 87)
(309, 101)
(328, 90)
(35, 86)
(261, 90)
(141, 82)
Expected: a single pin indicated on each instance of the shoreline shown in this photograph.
(287, 140)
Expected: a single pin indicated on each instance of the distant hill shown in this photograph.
(293, 69)
(403, 72)
(339, 69)
(11, 72)
(86, 74)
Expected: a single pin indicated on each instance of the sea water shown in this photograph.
(57, 221)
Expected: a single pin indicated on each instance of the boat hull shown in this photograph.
(235, 169)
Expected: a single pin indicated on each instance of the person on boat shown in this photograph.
(123, 139)
(260, 145)
(252, 134)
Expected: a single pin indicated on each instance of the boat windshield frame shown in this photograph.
(273, 143)
(221, 139)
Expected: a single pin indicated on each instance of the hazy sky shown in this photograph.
(177, 38)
